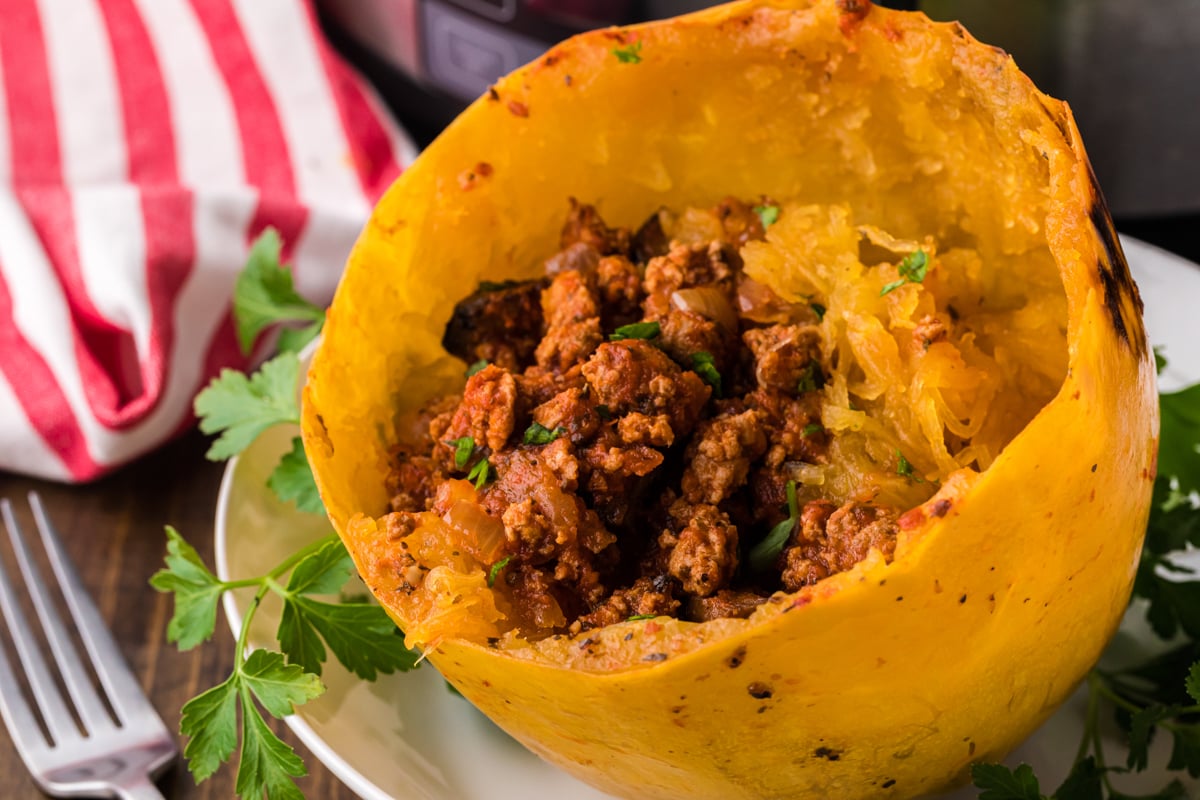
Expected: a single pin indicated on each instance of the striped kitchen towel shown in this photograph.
(143, 145)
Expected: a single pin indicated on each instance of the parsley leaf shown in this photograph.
(485, 287)
(811, 378)
(464, 448)
(905, 469)
(241, 407)
(637, 617)
(494, 572)
(998, 782)
(1174, 524)
(704, 366)
(1085, 782)
(768, 215)
(361, 635)
(1193, 682)
(324, 571)
(267, 763)
(763, 554)
(629, 54)
(477, 367)
(1141, 727)
(540, 434)
(481, 473)
(292, 479)
(636, 330)
(264, 295)
(196, 592)
(1160, 359)
(818, 309)
(1179, 440)
(209, 721)
(278, 686)
(912, 269)
(812, 429)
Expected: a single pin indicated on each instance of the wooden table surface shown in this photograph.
(113, 530)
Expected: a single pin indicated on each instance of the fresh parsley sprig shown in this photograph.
(240, 407)
(359, 633)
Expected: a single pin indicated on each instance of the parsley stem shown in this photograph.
(265, 584)
(240, 584)
(1093, 711)
(244, 633)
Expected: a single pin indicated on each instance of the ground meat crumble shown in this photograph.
(633, 436)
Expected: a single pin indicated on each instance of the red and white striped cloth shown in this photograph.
(143, 145)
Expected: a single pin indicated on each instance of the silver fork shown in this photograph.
(109, 758)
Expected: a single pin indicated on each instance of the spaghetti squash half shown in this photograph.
(930, 219)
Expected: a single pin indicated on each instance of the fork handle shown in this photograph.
(139, 788)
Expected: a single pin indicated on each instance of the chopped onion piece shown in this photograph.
(482, 535)
(709, 302)
(807, 474)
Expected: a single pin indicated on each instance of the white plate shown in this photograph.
(407, 736)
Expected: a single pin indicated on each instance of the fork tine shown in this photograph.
(54, 712)
(92, 713)
(124, 692)
(22, 725)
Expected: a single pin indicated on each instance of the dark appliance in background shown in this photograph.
(430, 58)
(1130, 70)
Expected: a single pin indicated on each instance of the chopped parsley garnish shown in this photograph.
(480, 474)
(813, 428)
(818, 309)
(478, 366)
(464, 448)
(763, 554)
(540, 434)
(637, 617)
(604, 411)
(912, 270)
(767, 215)
(629, 54)
(636, 330)
(494, 572)
(702, 365)
(904, 468)
(811, 379)
(496, 286)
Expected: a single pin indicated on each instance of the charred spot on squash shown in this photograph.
(829, 754)
(467, 179)
(1121, 297)
(760, 690)
(735, 660)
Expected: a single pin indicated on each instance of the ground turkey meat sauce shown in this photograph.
(631, 437)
